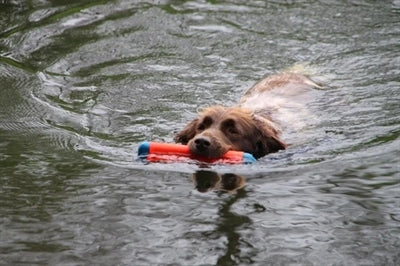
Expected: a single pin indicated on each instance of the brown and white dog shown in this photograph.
(254, 125)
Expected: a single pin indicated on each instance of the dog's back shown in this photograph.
(283, 97)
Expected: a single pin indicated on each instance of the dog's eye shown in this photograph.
(229, 126)
(207, 121)
(233, 130)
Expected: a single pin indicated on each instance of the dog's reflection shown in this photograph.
(205, 181)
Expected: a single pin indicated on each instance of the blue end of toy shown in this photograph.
(144, 149)
(248, 158)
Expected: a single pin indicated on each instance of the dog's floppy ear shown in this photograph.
(187, 133)
(268, 140)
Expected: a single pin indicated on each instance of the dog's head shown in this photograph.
(219, 129)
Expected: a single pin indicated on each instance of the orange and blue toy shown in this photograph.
(169, 152)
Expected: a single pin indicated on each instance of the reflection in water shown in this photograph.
(228, 221)
(212, 181)
(228, 225)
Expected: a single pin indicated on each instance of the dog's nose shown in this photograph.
(202, 143)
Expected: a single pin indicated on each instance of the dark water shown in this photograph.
(83, 82)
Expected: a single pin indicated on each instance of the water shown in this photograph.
(83, 82)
